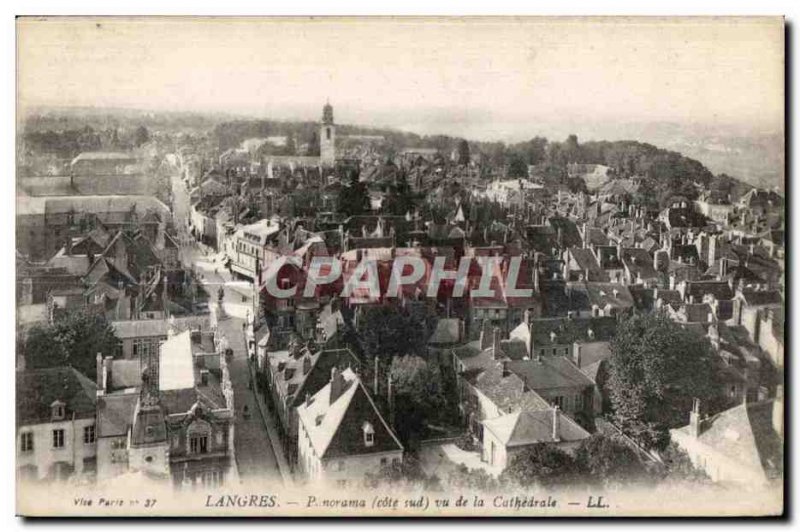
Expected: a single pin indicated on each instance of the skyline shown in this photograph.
(448, 76)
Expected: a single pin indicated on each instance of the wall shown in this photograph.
(44, 455)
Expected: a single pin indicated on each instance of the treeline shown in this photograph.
(68, 143)
(665, 173)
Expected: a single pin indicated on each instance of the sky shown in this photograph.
(481, 78)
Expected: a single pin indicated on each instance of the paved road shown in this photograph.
(254, 455)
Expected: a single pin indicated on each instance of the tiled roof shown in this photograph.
(38, 389)
(549, 372)
(335, 425)
(529, 427)
(744, 434)
(115, 413)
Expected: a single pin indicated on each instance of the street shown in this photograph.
(255, 457)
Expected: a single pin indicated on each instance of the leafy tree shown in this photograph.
(656, 369)
(73, 341)
(418, 396)
(606, 459)
(517, 167)
(405, 473)
(354, 198)
(141, 136)
(677, 466)
(544, 464)
(463, 152)
(465, 478)
(388, 331)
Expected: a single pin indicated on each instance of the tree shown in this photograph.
(418, 396)
(656, 369)
(406, 473)
(354, 198)
(388, 331)
(141, 136)
(73, 341)
(606, 459)
(544, 464)
(463, 152)
(677, 466)
(464, 478)
(517, 167)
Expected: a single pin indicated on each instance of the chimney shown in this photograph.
(530, 341)
(308, 399)
(496, 343)
(555, 423)
(107, 373)
(506, 371)
(337, 385)
(695, 422)
(777, 411)
(390, 400)
(99, 373)
(484, 337)
(375, 377)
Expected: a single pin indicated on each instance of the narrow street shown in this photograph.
(255, 457)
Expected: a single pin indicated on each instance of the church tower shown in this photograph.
(327, 137)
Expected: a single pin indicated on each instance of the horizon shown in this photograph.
(426, 75)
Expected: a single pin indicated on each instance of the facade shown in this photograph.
(56, 430)
(342, 434)
(173, 423)
(252, 252)
(505, 437)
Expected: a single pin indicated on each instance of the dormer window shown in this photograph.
(369, 434)
(57, 410)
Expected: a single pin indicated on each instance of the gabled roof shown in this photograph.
(549, 372)
(335, 427)
(745, 435)
(115, 413)
(529, 427)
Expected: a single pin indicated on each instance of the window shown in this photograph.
(88, 434)
(198, 444)
(383, 461)
(341, 483)
(327, 133)
(369, 434)
(26, 442)
(558, 401)
(57, 410)
(58, 439)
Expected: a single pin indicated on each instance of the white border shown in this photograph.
(789, 8)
